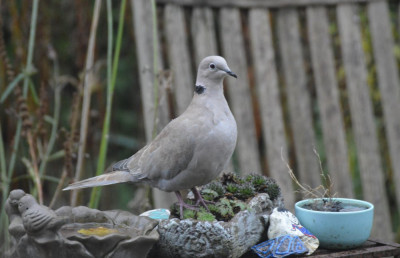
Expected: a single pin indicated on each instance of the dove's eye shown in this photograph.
(212, 66)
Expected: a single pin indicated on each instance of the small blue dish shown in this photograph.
(338, 230)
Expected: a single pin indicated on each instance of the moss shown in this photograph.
(205, 216)
(189, 214)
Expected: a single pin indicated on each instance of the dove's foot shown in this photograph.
(199, 199)
(183, 204)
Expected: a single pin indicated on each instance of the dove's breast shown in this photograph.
(216, 134)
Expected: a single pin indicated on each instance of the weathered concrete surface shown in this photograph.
(38, 231)
(191, 238)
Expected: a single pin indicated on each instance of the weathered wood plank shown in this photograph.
(328, 100)
(259, 3)
(298, 97)
(143, 26)
(179, 58)
(269, 100)
(239, 90)
(204, 36)
(370, 248)
(364, 130)
(388, 81)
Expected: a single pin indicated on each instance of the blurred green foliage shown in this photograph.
(62, 40)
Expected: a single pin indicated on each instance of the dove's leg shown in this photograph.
(199, 199)
(183, 204)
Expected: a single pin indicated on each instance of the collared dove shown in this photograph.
(191, 150)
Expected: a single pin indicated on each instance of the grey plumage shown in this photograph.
(192, 149)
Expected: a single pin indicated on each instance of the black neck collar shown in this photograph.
(199, 89)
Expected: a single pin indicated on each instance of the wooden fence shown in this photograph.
(305, 80)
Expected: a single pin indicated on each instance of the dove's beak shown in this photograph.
(231, 74)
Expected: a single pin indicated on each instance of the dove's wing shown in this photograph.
(165, 157)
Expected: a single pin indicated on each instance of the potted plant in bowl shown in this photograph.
(338, 223)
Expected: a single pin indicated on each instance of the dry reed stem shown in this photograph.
(36, 175)
(87, 85)
(318, 192)
(59, 188)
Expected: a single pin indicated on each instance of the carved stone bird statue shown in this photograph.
(192, 150)
(37, 218)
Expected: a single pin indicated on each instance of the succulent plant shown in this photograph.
(189, 214)
(225, 209)
(209, 194)
(273, 191)
(238, 206)
(215, 186)
(231, 178)
(228, 195)
(256, 180)
(232, 188)
(246, 191)
(205, 216)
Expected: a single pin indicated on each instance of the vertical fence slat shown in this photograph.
(143, 25)
(328, 100)
(144, 47)
(203, 33)
(298, 96)
(362, 117)
(388, 80)
(269, 98)
(179, 59)
(239, 90)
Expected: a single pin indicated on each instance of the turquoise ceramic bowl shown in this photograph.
(338, 230)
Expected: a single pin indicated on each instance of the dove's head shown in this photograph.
(25, 203)
(212, 70)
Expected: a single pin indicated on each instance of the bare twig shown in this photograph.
(34, 173)
(325, 177)
(317, 192)
(305, 189)
(59, 188)
(86, 98)
(35, 168)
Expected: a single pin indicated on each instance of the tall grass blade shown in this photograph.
(95, 196)
(10, 88)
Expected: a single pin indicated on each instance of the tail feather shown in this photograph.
(114, 177)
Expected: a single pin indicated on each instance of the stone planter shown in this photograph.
(193, 238)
